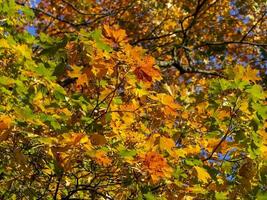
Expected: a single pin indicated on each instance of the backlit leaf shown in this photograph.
(202, 174)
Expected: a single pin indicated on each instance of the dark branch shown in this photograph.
(228, 132)
(253, 27)
(57, 187)
(227, 43)
(78, 10)
(187, 69)
(155, 37)
(67, 82)
(73, 24)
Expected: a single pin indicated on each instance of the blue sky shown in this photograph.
(32, 29)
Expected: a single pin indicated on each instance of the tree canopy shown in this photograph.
(133, 99)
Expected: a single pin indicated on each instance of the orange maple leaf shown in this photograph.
(114, 33)
(101, 158)
(5, 122)
(146, 70)
(156, 165)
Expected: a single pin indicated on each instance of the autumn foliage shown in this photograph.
(133, 99)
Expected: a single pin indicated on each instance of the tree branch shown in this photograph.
(155, 37)
(79, 11)
(57, 187)
(254, 26)
(38, 10)
(187, 69)
(228, 132)
(227, 43)
(86, 188)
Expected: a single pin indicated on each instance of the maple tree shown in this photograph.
(133, 99)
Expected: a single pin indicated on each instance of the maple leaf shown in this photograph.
(222, 114)
(168, 100)
(114, 33)
(156, 165)
(72, 138)
(142, 75)
(101, 158)
(238, 71)
(82, 80)
(146, 70)
(24, 50)
(251, 75)
(125, 121)
(4, 43)
(170, 107)
(5, 122)
(166, 144)
(62, 157)
(75, 72)
(202, 174)
(192, 149)
(246, 74)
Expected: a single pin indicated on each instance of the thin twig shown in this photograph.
(228, 132)
(57, 187)
(227, 43)
(78, 10)
(253, 27)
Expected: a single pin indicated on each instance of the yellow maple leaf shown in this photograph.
(263, 150)
(192, 149)
(76, 72)
(168, 100)
(246, 74)
(166, 144)
(222, 114)
(24, 50)
(38, 101)
(151, 140)
(251, 75)
(238, 72)
(202, 174)
(4, 43)
(62, 157)
(66, 111)
(73, 138)
(82, 80)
